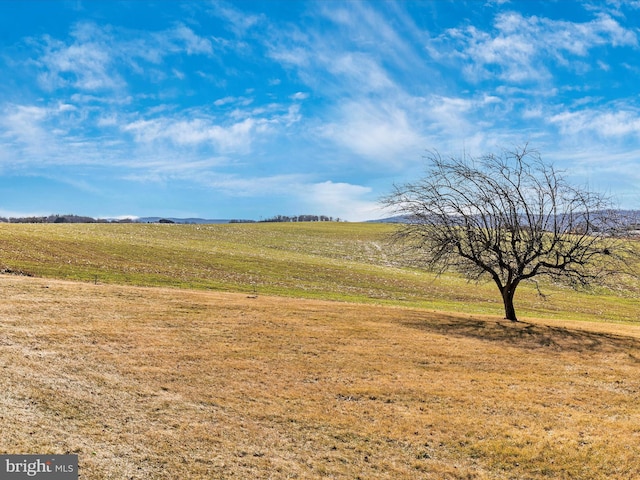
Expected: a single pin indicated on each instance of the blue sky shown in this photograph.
(249, 109)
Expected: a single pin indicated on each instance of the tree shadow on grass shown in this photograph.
(523, 334)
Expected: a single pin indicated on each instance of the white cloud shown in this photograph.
(343, 200)
(384, 35)
(296, 56)
(89, 63)
(22, 129)
(239, 21)
(599, 123)
(241, 101)
(521, 47)
(378, 131)
(351, 49)
(361, 71)
(235, 137)
(95, 57)
(191, 43)
(232, 132)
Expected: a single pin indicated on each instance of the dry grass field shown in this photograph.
(161, 383)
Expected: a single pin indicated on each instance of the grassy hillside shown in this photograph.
(200, 382)
(344, 261)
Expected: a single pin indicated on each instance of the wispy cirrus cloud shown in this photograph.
(87, 63)
(604, 123)
(95, 55)
(239, 22)
(233, 130)
(378, 131)
(37, 137)
(351, 48)
(344, 56)
(236, 137)
(520, 47)
(182, 38)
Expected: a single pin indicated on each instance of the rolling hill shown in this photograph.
(278, 351)
(325, 260)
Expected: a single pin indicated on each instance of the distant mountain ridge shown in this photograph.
(629, 219)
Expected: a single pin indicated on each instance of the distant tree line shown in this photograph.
(61, 219)
(82, 219)
(301, 218)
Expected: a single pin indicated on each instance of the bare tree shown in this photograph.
(508, 217)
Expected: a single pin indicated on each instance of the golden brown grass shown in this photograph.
(153, 383)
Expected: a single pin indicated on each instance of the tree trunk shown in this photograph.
(507, 297)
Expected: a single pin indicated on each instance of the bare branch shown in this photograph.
(508, 217)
